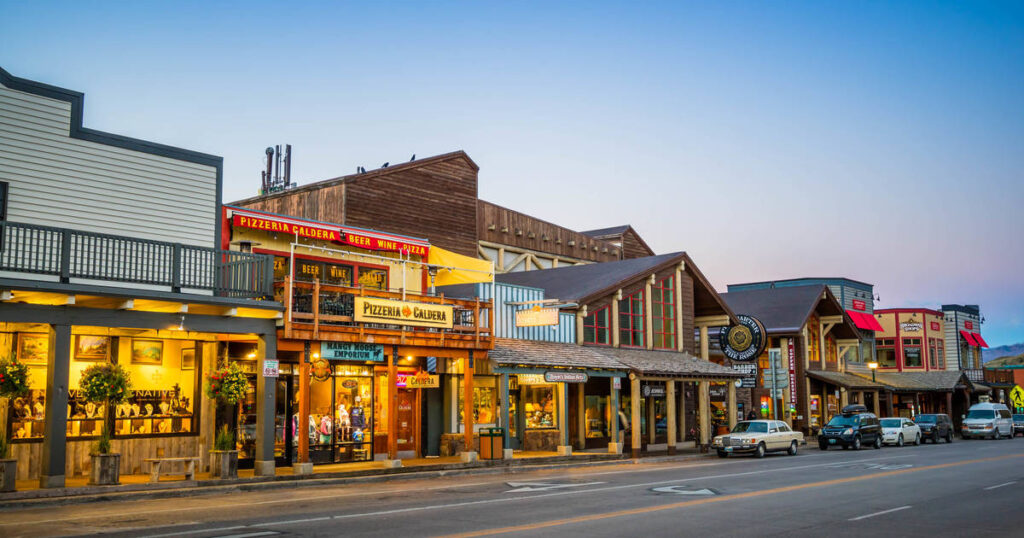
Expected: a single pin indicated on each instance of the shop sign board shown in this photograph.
(419, 380)
(325, 232)
(351, 351)
(373, 310)
(749, 371)
(530, 379)
(743, 342)
(270, 367)
(859, 305)
(969, 325)
(792, 373)
(536, 317)
(617, 383)
(910, 327)
(565, 377)
(653, 391)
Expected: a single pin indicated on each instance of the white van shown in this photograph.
(988, 420)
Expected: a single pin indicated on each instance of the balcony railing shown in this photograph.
(975, 375)
(67, 254)
(326, 312)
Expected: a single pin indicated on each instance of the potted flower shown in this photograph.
(226, 387)
(106, 385)
(13, 384)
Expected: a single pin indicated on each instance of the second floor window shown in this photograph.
(631, 320)
(912, 353)
(886, 353)
(663, 309)
(596, 327)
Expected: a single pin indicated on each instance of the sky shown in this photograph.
(878, 141)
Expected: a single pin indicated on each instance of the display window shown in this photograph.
(540, 405)
(912, 353)
(597, 416)
(886, 352)
(663, 323)
(597, 327)
(341, 414)
(485, 402)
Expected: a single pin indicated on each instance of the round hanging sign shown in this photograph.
(745, 341)
(320, 369)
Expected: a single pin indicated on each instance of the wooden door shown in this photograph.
(408, 420)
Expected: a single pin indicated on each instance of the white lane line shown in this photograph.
(200, 531)
(1001, 485)
(889, 511)
(250, 535)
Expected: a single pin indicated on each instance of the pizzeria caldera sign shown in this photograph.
(325, 233)
(371, 310)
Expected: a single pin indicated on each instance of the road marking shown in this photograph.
(678, 491)
(889, 511)
(1001, 485)
(708, 500)
(250, 535)
(543, 486)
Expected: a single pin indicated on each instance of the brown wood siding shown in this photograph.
(326, 204)
(519, 230)
(686, 286)
(633, 247)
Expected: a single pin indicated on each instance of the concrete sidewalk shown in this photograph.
(138, 486)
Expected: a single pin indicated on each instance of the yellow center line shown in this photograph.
(723, 498)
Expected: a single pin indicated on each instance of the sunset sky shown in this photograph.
(878, 141)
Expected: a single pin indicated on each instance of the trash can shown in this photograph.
(492, 443)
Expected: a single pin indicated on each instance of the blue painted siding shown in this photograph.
(505, 315)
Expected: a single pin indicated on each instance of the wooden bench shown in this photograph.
(155, 464)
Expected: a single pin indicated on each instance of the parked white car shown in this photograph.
(757, 437)
(898, 431)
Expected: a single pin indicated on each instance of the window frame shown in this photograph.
(908, 343)
(628, 331)
(596, 327)
(668, 323)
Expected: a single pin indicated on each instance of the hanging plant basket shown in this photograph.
(13, 384)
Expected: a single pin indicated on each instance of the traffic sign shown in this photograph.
(1017, 397)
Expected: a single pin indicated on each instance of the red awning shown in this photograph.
(981, 341)
(970, 339)
(859, 320)
(875, 325)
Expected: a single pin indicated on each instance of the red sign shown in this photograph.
(859, 305)
(328, 233)
(969, 325)
(935, 326)
(792, 374)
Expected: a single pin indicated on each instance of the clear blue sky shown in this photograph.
(879, 141)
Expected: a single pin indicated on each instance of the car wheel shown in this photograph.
(792, 448)
(917, 440)
(823, 446)
(935, 438)
(723, 454)
(949, 436)
(856, 443)
(878, 442)
(899, 441)
(759, 453)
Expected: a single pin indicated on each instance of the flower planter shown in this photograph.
(8, 474)
(224, 464)
(106, 470)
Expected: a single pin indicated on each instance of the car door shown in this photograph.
(786, 435)
(772, 440)
(910, 430)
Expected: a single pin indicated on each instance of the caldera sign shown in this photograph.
(743, 342)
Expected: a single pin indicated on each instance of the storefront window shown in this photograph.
(540, 403)
(663, 314)
(886, 353)
(373, 278)
(163, 374)
(912, 353)
(597, 416)
(29, 411)
(485, 401)
(631, 320)
(596, 326)
(340, 425)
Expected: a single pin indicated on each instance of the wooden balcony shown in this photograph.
(332, 317)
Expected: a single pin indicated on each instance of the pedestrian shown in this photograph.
(623, 426)
(751, 415)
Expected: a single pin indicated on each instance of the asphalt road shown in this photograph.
(966, 488)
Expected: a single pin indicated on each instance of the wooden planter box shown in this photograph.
(224, 464)
(106, 470)
(8, 475)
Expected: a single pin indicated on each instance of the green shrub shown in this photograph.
(225, 440)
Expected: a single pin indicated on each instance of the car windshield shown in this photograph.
(844, 421)
(890, 423)
(920, 419)
(1018, 417)
(751, 427)
(981, 413)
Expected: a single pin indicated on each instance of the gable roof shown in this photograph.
(614, 230)
(620, 231)
(786, 309)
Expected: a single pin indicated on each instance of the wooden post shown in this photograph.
(634, 415)
(392, 404)
(563, 414)
(316, 308)
(54, 449)
(613, 404)
(678, 305)
(648, 317)
(649, 408)
(731, 407)
(877, 406)
(615, 318)
(476, 322)
(288, 306)
(682, 410)
(266, 407)
(704, 411)
(705, 350)
(670, 415)
(467, 401)
(949, 404)
(302, 428)
(581, 415)
(506, 411)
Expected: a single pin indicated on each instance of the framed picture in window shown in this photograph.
(188, 358)
(148, 352)
(33, 349)
(92, 348)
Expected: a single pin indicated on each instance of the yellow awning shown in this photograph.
(458, 269)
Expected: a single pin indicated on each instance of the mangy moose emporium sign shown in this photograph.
(743, 342)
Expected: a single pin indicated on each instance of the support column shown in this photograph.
(302, 465)
(634, 415)
(705, 352)
(581, 416)
(891, 399)
(682, 410)
(704, 411)
(649, 409)
(392, 406)
(844, 398)
(58, 364)
(615, 446)
(564, 448)
(470, 453)
(670, 415)
(877, 406)
(731, 406)
(949, 404)
(506, 415)
(266, 406)
(615, 318)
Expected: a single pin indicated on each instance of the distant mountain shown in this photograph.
(1011, 350)
(1017, 360)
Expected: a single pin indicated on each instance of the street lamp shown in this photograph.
(873, 366)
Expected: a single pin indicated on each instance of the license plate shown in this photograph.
(831, 441)
(728, 449)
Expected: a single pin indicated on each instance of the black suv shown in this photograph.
(855, 427)
(934, 427)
